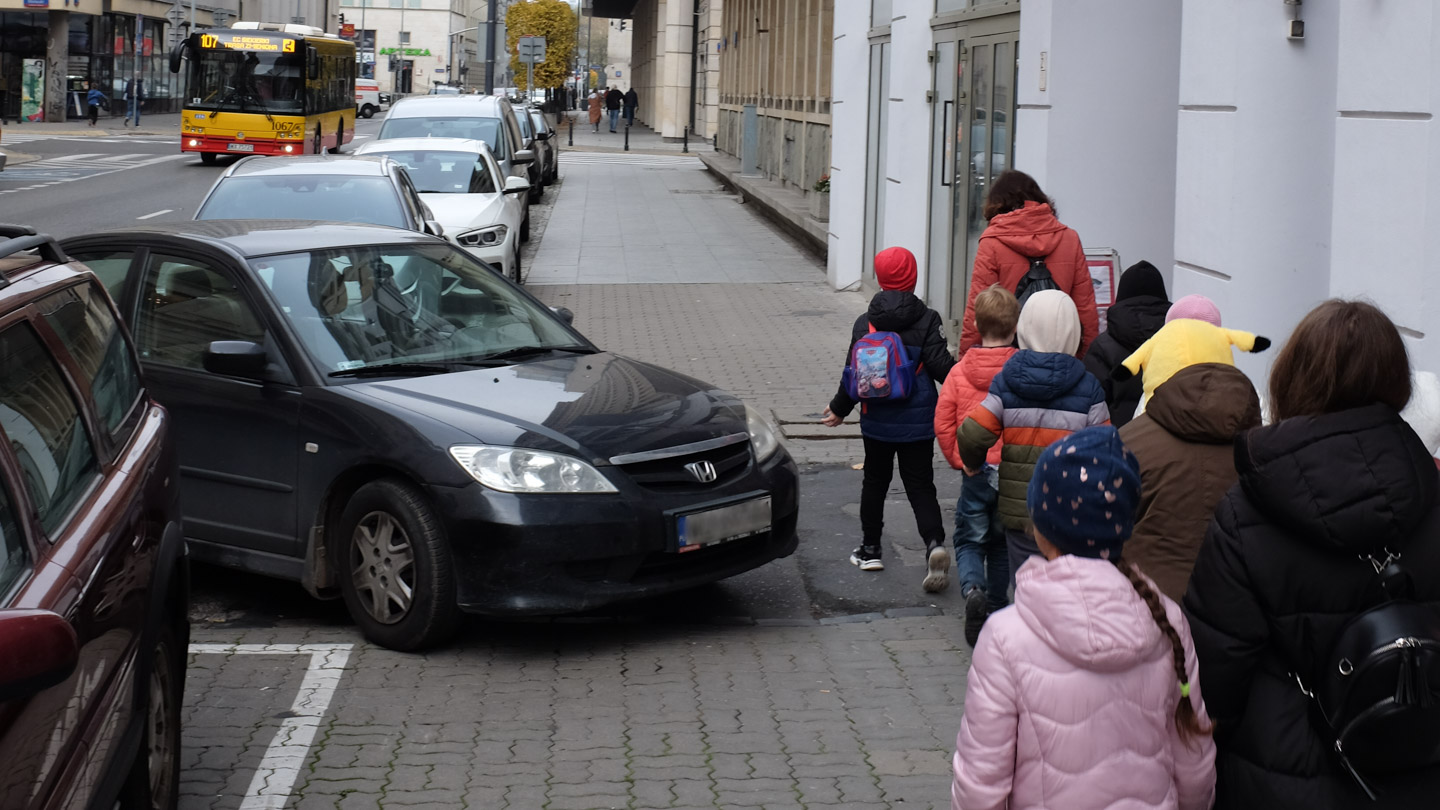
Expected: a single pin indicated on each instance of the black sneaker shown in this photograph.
(868, 558)
(937, 559)
(977, 610)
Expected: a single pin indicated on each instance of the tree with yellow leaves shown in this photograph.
(555, 21)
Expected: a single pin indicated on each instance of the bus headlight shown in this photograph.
(485, 237)
(194, 141)
(289, 148)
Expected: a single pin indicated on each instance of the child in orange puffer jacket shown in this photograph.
(980, 554)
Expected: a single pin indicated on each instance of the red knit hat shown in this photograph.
(895, 269)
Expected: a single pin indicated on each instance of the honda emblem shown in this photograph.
(703, 471)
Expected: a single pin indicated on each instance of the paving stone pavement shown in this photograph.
(578, 715)
(845, 712)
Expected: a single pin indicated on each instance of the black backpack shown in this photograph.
(1037, 278)
(1378, 693)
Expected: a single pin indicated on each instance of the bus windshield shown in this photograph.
(246, 81)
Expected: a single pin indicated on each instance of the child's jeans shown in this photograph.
(981, 559)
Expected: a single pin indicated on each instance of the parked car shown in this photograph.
(479, 208)
(548, 153)
(94, 581)
(340, 188)
(375, 413)
(535, 170)
(368, 98)
(444, 90)
(482, 118)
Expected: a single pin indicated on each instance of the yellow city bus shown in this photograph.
(265, 89)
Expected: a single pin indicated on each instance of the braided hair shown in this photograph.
(1187, 723)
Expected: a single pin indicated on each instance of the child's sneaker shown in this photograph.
(937, 558)
(977, 610)
(868, 558)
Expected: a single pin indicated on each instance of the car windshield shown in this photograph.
(371, 200)
(446, 172)
(479, 129)
(375, 305)
(524, 125)
(246, 81)
(539, 119)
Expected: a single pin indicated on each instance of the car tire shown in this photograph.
(525, 227)
(517, 273)
(401, 592)
(154, 780)
(209, 158)
(367, 111)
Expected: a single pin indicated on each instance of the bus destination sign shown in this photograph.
(245, 42)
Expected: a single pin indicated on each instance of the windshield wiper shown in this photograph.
(392, 369)
(525, 351)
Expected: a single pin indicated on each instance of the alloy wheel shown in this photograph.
(161, 737)
(382, 567)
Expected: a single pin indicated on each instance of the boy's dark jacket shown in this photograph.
(922, 331)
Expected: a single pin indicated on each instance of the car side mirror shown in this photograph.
(516, 185)
(523, 156)
(564, 314)
(433, 228)
(44, 652)
(542, 136)
(235, 358)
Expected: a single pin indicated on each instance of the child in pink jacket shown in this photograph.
(982, 561)
(1086, 692)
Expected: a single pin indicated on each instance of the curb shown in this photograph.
(811, 235)
(17, 158)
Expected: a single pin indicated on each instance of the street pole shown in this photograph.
(491, 17)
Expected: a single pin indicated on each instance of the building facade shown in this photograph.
(776, 55)
(406, 45)
(1264, 170)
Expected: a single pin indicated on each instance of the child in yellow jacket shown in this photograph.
(1185, 342)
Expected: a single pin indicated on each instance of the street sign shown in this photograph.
(347, 31)
(531, 50)
(175, 15)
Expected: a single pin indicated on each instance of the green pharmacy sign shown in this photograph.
(408, 51)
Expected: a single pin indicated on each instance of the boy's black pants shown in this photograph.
(917, 473)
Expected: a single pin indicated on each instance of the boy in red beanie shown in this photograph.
(900, 430)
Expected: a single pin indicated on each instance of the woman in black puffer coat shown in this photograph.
(1137, 314)
(1338, 476)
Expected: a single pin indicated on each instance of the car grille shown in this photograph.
(662, 565)
(670, 474)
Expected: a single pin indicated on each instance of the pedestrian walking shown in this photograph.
(1137, 314)
(1185, 442)
(614, 100)
(1023, 227)
(1042, 394)
(632, 103)
(596, 105)
(1336, 496)
(1086, 694)
(94, 100)
(900, 430)
(981, 563)
(134, 98)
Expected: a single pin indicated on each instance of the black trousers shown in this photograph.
(94, 113)
(917, 473)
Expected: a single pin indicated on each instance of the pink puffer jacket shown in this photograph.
(1071, 701)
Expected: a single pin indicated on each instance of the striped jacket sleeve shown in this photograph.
(981, 429)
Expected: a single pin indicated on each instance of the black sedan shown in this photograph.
(377, 415)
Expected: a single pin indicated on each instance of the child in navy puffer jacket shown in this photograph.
(901, 430)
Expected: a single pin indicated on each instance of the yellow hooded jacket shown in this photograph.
(1186, 342)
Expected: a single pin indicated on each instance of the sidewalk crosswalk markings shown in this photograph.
(627, 159)
(68, 168)
(12, 138)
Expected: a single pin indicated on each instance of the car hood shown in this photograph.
(462, 212)
(594, 406)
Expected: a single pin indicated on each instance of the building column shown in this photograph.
(679, 18)
(57, 65)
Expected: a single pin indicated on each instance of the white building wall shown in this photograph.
(429, 29)
(848, 116)
(907, 166)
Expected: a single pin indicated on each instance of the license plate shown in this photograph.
(240, 147)
(723, 524)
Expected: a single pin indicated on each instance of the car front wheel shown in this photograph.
(395, 569)
(367, 112)
(154, 781)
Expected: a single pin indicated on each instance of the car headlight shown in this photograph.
(762, 435)
(484, 237)
(516, 469)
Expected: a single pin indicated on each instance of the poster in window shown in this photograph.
(32, 90)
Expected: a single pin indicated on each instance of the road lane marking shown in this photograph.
(66, 170)
(157, 213)
(280, 767)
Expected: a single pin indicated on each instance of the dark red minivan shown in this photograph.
(94, 581)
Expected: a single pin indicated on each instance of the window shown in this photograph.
(404, 37)
(83, 320)
(42, 422)
(880, 12)
(12, 545)
(112, 267)
(184, 307)
(446, 172)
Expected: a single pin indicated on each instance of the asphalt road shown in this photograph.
(82, 185)
(86, 184)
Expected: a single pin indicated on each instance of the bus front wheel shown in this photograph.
(318, 142)
(209, 158)
(339, 139)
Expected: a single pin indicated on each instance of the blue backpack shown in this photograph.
(879, 368)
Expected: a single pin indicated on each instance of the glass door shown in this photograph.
(948, 175)
(877, 142)
(990, 148)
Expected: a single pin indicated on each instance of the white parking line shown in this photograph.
(280, 767)
(157, 213)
